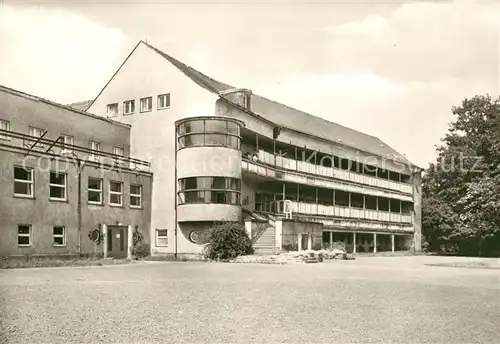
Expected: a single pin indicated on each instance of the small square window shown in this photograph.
(95, 146)
(115, 193)
(118, 151)
(146, 104)
(128, 107)
(95, 191)
(67, 140)
(36, 133)
(4, 125)
(163, 101)
(112, 110)
(162, 237)
(24, 235)
(23, 182)
(59, 234)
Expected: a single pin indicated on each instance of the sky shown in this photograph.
(387, 68)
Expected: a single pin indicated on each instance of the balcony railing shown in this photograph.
(338, 211)
(42, 146)
(262, 169)
(331, 172)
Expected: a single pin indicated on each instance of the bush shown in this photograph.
(228, 240)
(141, 250)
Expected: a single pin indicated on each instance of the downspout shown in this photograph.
(79, 209)
(175, 193)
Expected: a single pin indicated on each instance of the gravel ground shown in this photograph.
(377, 299)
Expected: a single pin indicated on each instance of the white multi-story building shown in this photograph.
(223, 153)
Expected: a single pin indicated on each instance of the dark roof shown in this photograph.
(82, 106)
(65, 107)
(293, 119)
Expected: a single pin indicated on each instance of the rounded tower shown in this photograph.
(208, 172)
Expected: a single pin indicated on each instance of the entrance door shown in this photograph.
(305, 241)
(117, 241)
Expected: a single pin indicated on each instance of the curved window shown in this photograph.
(209, 132)
(218, 190)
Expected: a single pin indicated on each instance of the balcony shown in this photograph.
(266, 170)
(332, 172)
(339, 212)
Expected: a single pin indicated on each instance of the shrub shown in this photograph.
(228, 240)
(141, 250)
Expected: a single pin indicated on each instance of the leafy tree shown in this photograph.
(461, 191)
(228, 240)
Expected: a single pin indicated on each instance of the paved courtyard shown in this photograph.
(372, 299)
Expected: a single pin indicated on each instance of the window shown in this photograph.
(36, 132)
(128, 107)
(59, 234)
(163, 101)
(23, 182)
(220, 190)
(135, 196)
(24, 235)
(58, 186)
(67, 140)
(115, 193)
(95, 191)
(112, 110)
(209, 132)
(4, 125)
(95, 146)
(146, 104)
(162, 237)
(118, 151)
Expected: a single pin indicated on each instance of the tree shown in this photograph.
(461, 189)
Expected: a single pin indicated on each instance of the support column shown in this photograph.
(299, 238)
(331, 239)
(317, 207)
(278, 242)
(392, 242)
(364, 206)
(248, 228)
(349, 204)
(354, 242)
(105, 241)
(374, 242)
(130, 241)
(309, 242)
(257, 141)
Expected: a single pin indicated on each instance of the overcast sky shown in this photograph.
(390, 69)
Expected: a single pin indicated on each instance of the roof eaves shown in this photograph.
(407, 162)
(65, 107)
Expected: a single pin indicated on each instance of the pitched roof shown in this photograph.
(293, 119)
(65, 107)
(82, 106)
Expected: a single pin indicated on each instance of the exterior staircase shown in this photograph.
(263, 233)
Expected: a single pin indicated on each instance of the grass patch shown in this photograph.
(41, 262)
(475, 264)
